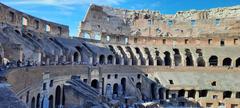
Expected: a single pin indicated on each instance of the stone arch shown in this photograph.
(177, 57)
(124, 55)
(33, 102)
(181, 93)
(83, 54)
(123, 84)
(101, 59)
(95, 84)
(134, 59)
(118, 61)
(138, 51)
(213, 61)
(58, 97)
(189, 58)
(150, 58)
(139, 86)
(238, 62)
(153, 87)
(115, 89)
(167, 59)
(200, 62)
(161, 93)
(227, 61)
(110, 59)
(76, 57)
(38, 101)
(158, 58)
(50, 101)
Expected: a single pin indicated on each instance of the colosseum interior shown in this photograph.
(121, 59)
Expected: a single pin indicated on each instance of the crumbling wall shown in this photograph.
(113, 22)
(24, 21)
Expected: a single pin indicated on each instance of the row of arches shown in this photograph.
(40, 102)
(167, 59)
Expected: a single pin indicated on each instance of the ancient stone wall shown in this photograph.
(24, 21)
(112, 22)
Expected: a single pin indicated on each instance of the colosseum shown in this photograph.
(121, 59)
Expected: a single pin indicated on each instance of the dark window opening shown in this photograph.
(209, 41)
(181, 93)
(116, 76)
(51, 83)
(171, 81)
(108, 76)
(213, 61)
(191, 93)
(227, 94)
(214, 83)
(222, 43)
(139, 76)
(203, 93)
(164, 41)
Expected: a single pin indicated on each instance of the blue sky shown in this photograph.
(71, 12)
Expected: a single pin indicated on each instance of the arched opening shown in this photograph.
(200, 62)
(58, 97)
(115, 89)
(38, 101)
(167, 59)
(123, 83)
(134, 59)
(75, 57)
(102, 59)
(189, 59)
(116, 55)
(213, 61)
(143, 62)
(177, 57)
(227, 62)
(191, 93)
(227, 94)
(153, 87)
(139, 86)
(203, 93)
(161, 93)
(150, 58)
(94, 84)
(181, 93)
(33, 102)
(110, 59)
(50, 100)
(124, 55)
(238, 62)
(159, 60)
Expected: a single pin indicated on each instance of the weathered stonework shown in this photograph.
(130, 57)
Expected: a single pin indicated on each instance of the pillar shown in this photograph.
(114, 61)
(197, 95)
(186, 94)
(147, 62)
(56, 60)
(129, 61)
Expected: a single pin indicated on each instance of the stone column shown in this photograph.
(106, 60)
(47, 61)
(197, 95)
(114, 61)
(147, 61)
(122, 61)
(186, 94)
(72, 59)
(90, 60)
(56, 60)
(129, 61)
